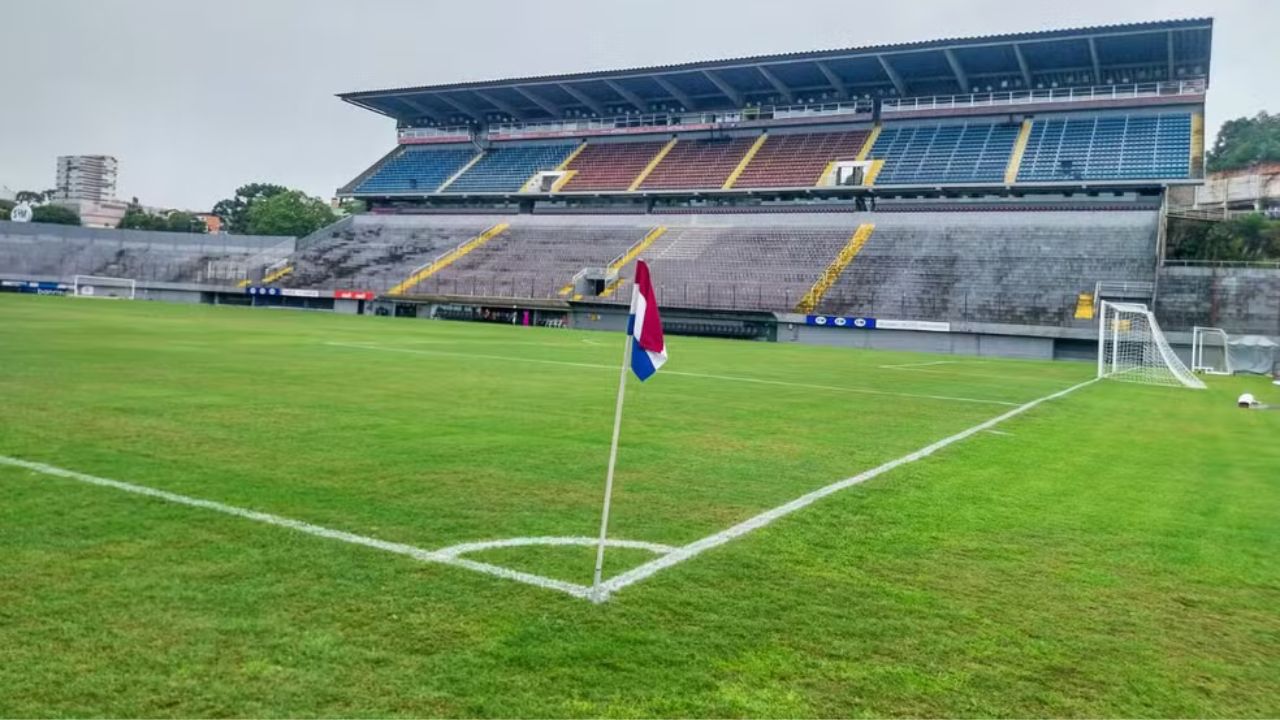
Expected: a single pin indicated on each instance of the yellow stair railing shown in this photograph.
(274, 276)
(1019, 149)
(449, 258)
(869, 143)
(1197, 145)
(657, 158)
(834, 270)
(630, 255)
(746, 160)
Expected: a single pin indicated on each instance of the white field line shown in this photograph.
(919, 364)
(463, 548)
(452, 555)
(698, 547)
(705, 376)
(580, 591)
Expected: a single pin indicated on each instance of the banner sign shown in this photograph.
(352, 294)
(853, 323)
(925, 325)
(279, 292)
(866, 323)
(35, 288)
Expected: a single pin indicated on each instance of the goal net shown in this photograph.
(95, 286)
(1132, 348)
(1209, 351)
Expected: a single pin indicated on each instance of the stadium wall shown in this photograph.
(16, 231)
(1241, 300)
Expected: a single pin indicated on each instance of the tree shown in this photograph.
(352, 206)
(33, 197)
(1249, 237)
(135, 218)
(289, 213)
(1245, 141)
(234, 211)
(5, 207)
(179, 221)
(54, 214)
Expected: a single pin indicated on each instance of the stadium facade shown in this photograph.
(965, 195)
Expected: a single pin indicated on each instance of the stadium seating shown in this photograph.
(372, 255)
(954, 153)
(506, 168)
(694, 164)
(1025, 268)
(417, 169)
(750, 268)
(610, 166)
(107, 253)
(1108, 147)
(798, 160)
(533, 261)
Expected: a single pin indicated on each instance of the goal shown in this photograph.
(95, 286)
(1217, 361)
(1132, 348)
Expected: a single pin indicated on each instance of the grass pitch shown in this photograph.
(1112, 552)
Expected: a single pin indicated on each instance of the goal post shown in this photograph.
(97, 286)
(1203, 338)
(1132, 348)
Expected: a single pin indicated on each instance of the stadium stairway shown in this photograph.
(746, 160)
(448, 259)
(1019, 150)
(626, 258)
(610, 166)
(696, 164)
(652, 164)
(834, 270)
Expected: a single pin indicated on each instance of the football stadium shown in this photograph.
(929, 423)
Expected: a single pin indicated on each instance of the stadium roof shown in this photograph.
(1137, 52)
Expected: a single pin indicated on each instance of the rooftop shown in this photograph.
(1077, 57)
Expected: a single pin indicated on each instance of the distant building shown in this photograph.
(87, 185)
(86, 177)
(1255, 188)
(212, 222)
(97, 213)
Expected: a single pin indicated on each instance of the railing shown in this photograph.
(411, 136)
(644, 122)
(1265, 264)
(1047, 95)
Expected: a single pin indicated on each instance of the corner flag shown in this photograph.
(645, 351)
(648, 351)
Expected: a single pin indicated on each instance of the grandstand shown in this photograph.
(1010, 180)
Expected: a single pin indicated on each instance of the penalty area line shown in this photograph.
(698, 547)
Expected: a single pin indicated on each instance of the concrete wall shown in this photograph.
(946, 343)
(1239, 300)
(228, 243)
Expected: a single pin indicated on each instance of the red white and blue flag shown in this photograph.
(648, 349)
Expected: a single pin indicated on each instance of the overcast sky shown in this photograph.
(198, 97)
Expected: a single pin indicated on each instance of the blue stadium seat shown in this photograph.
(960, 153)
(417, 169)
(506, 168)
(1109, 147)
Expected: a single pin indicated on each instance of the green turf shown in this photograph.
(1114, 553)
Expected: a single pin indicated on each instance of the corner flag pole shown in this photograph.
(613, 459)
